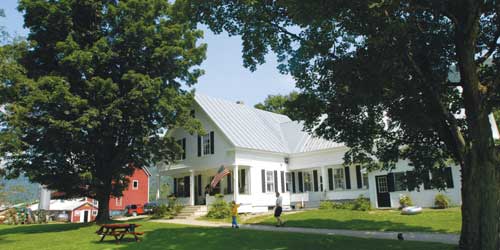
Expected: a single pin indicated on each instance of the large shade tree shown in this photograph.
(278, 104)
(397, 80)
(89, 95)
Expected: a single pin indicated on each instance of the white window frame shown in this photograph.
(95, 202)
(243, 189)
(205, 145)
(310, 181)
(338, 179)
(119, 201)
(270, 185)
(134, 187)
(94, 212)
(398, 186)
(366, 184)
(288, 182)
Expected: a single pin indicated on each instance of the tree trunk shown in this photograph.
(103, 211)
(480, 198)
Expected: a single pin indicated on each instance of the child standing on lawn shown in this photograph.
(234, 213)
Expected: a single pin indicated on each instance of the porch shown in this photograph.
(192, 187)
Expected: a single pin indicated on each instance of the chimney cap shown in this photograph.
(240, 102)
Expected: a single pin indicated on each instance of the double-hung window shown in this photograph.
(270, 181)
(205, 140)
(182, 154)
(307, 182)
(365, 180)
(339, 178)
(288, 187)
(399, 181)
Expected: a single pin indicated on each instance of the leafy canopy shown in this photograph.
(378, 69)
(278, 103)
(93, 90)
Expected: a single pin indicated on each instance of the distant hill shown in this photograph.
(20, 190)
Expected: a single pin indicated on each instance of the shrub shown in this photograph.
(405, 201)
(361, 204)
(160, 211)
(325, 205)
(220, 209)
(441, 201)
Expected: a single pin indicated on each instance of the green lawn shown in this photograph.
(166, 236)
(431, 220)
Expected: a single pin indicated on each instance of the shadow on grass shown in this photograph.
(181, 238)
(42, 228)
(355, 224)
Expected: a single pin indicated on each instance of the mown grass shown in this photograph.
(167, 236)
(431, 220)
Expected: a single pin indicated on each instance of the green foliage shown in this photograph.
(220, 209)
(359, 204)
(278, 104)
(160, 211)
(405, 201)
(93, 90)
(388, 79)
(441, 201)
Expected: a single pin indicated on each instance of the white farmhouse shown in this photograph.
(268, 152)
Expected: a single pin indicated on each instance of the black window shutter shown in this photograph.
(315, 180)
(427, 181)
(449, 177)
(175, 187)
(187, 186)
(330, 179)
(301, 185)
(183, 148)
(358, 176)
(192, 113)
(199, 145)
(212, 147)
(282, 181)
(199, 184)
(263, 172)
(276, 181)
(390, 182)
(411, 181)
(293, 182)
(229, 186)
(347, 178)
(242, 182)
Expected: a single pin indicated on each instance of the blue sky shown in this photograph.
(225, 76)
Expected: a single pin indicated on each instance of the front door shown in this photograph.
(383, 195)
(199, 197)
(86, 216)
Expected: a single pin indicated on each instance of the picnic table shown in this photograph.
(118, 231)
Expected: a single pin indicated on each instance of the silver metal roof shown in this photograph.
(248, 127)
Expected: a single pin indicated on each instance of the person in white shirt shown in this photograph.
(278, 209)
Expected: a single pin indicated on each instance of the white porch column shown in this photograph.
(191, 188)
(236, 189)
(324, 173)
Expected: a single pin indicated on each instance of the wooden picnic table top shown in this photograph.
(116, 226)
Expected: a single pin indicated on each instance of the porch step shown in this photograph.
(191, 211)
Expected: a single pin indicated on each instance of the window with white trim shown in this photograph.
(307, 182)
(94, 212)
(399, 181)
(135, 184)
(365, 180)
(338, 178)
(95, 202)
(288, 187)
(118, 201)
(205, 144)
(270, 181)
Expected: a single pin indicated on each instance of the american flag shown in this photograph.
(220, 174)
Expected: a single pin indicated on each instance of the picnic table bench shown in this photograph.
(118, 231)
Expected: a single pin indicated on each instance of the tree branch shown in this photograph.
(448, 120)
(492, 46)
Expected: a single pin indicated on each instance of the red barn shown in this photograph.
(136, 193)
